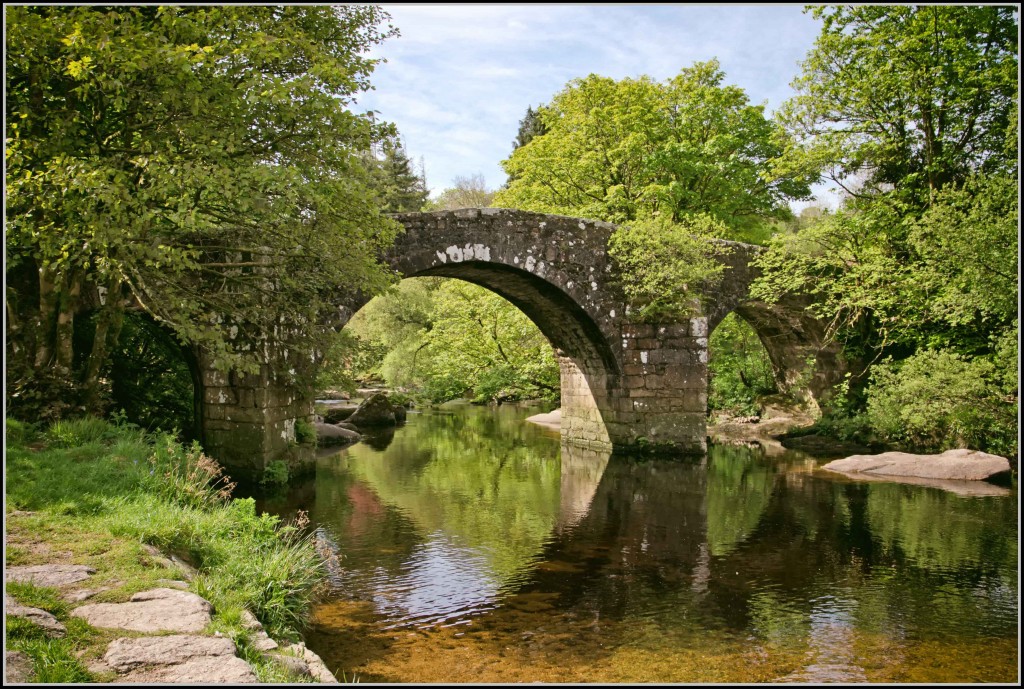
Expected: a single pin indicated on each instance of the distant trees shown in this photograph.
(465, 192)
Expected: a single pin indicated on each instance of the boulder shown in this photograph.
(339, 412)
(400, 413)
(158, 610)
(961, 465)
(329, 435)
(349, 426)
(49, 575)
(375, 410)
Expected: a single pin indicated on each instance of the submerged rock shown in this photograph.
(961, 465)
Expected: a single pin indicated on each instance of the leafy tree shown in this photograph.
(739, 370)
(466, 192)
(915, 97)
(912, 110)
(631, 149)
(197, 163)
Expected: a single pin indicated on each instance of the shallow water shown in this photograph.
(471, 547)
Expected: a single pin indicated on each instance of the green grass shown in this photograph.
(99, 492)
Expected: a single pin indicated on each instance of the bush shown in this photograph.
(937, 400)
(305, 433)
(739, 370)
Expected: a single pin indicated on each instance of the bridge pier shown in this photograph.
(657, 403)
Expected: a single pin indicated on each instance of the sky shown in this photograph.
(459, 78)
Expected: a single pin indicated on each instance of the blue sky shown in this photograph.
(460, 77)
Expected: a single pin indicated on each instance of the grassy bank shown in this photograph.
(105, 495)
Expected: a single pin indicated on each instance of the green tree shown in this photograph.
(912, 111)
(626, 150)
(197, 163)
(465, 192)
(401, 189)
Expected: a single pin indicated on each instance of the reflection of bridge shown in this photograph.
(624, 384)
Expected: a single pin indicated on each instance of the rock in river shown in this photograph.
(962, 464)
(374, 411)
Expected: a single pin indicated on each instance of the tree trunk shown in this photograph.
(64, 346)
(46, 318)
(108, 330)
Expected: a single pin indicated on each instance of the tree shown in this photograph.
(915, 97)
(632, 149)
(401, 189)
(532, 125)
(465, 192)
(197, 163)
(912, 110)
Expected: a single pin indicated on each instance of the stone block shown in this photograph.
(220, 395)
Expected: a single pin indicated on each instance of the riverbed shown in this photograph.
(471, 546)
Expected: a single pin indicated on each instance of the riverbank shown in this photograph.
(145, 519)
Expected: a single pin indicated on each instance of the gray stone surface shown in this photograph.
(124, 655)
(339, 412)
(202, 671)
(158, 610)
(49, 575)
(328, 435)
(50, 624)
(17, 667)
(958, 465)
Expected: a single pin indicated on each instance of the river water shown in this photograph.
(471, 547)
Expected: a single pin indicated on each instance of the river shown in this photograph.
(471, 547)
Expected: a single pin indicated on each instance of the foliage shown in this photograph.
(305, 433)
(197, 163)
(938, 400)
(626, 150)
(446, 337)
(912, 111)
(400, 188)
(909, 97)
(661, 290)
(150, 378)
(465, 192)
(186, 475)
(739, 370)
(101, 493)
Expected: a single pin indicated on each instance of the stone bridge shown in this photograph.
(625, 385)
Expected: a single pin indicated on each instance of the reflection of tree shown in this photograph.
(934, 528)
(473, 477)
(739, 487)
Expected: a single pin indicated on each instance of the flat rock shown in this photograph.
(198, 671)
(956, 465)
(17, 667)
(49, 575)
(553, 419)
(36, 616)
(158, 610)
(124, 655)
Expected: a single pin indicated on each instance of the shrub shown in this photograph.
(305, 434)
(937, 400)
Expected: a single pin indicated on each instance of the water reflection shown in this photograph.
(480, 520)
